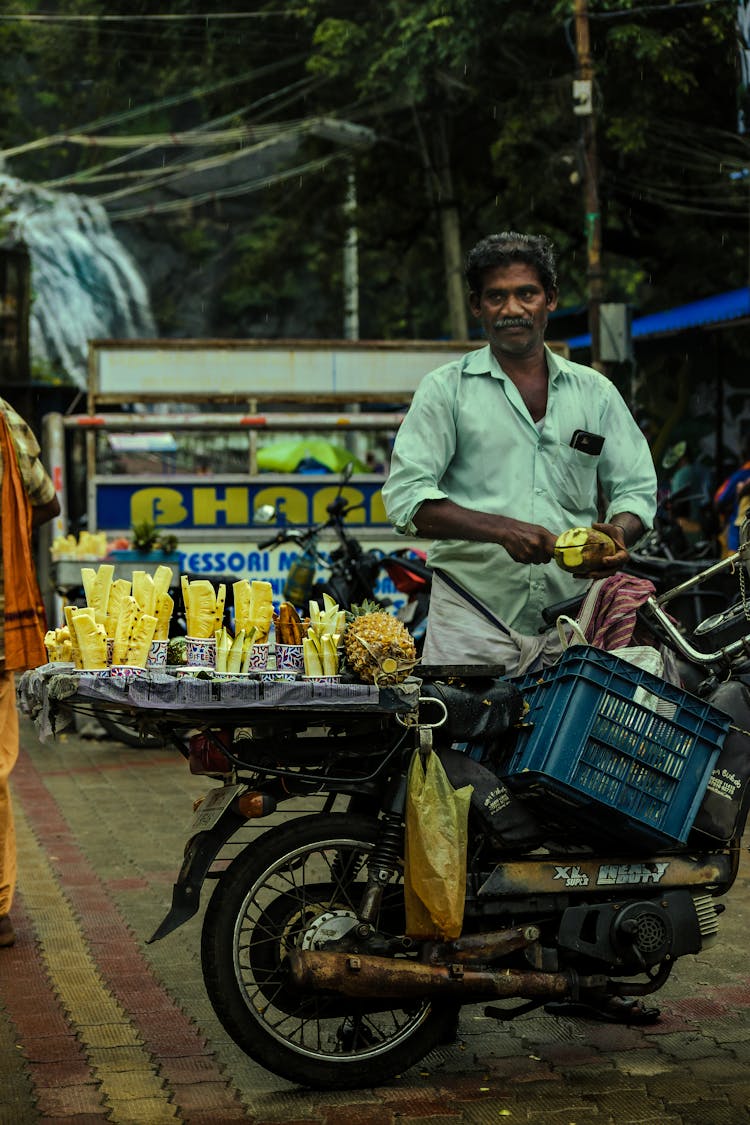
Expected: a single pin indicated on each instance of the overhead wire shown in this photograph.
(162, 103)
(279, 136)
(135, 17)
(276, 101)
(647, 9)
(246, 188)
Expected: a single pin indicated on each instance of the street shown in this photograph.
(97, 1026)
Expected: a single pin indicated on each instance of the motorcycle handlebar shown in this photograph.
(276, 541)
(723, 656)
(337, 514)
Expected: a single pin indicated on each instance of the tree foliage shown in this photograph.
(472, 110)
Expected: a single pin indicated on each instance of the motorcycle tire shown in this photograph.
(280, 893)
(124, 730)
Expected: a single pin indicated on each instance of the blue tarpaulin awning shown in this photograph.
(711, 310)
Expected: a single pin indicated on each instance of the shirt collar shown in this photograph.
(483, 362)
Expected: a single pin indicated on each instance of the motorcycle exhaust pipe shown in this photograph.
(364, 976)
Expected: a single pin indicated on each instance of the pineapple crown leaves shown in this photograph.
(365, 607)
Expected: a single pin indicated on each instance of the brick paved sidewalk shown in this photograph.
(97, 1026)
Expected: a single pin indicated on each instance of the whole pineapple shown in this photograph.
(379, 648)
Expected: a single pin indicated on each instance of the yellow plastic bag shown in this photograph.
(437, 818)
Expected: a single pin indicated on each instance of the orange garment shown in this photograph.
(8, 756)
(24, 609)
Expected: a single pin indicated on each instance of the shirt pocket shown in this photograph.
(573, 477)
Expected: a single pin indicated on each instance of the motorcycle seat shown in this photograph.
(481, 710)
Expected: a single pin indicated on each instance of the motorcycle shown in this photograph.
(667, 558)
(579, 889)
(353, 572)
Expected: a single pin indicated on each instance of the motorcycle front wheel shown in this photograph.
(296, 888)
(122, 728)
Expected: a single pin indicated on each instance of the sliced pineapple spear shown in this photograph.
(233, 654)
(253, 608)
(87, 638)
(320, 646)
(204, 607)
(59, 645)
(119, 591)
(96, 586)
(92, 640)
(152, 595)
(69, 612)
(134, 634)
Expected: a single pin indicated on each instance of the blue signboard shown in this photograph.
(172, 506)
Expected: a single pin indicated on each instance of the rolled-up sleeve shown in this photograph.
(626, 468)
(424, 446)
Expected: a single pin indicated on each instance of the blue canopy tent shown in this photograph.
(719, 311)
(710, 310)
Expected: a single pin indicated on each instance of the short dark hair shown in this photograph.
(503, 249)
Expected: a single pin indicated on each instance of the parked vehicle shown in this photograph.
(668, 557)
(352, 571)
(583, 887)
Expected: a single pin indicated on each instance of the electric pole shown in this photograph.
(583, 107)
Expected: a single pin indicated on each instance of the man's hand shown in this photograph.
(610, 564)
(526, 542)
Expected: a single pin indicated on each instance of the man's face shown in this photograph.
(513, 309)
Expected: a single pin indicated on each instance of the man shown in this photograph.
(500, 452)
(28, 499)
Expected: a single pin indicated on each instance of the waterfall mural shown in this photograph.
(85, 285)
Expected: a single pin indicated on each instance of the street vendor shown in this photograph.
(500, 452)
(503, 450)
(28, 500)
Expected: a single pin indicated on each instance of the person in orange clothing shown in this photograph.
(27, 499)
(732, 499)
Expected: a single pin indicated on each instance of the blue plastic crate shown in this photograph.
(601, 734)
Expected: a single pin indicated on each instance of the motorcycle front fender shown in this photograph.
(200, 853)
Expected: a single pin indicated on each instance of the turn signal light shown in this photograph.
(254, 805)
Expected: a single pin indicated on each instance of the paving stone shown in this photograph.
(69, 1100)
(710, 1113)
(357, 1115)
(112, 818)
(145, 1110)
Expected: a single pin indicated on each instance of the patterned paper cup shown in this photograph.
(259, 658)
(126, 671)
(289, 658)
(201, 651)
(157, 655)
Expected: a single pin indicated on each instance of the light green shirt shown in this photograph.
(469, 437)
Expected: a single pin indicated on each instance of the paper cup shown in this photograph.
(126, 671)
(259, 658)
(201, 651)
(157, 655)
(289, 658)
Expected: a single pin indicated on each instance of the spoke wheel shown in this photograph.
(123, 729)
(299, 887)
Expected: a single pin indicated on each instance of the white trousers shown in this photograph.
(457, 633)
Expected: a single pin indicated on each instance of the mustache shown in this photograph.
(512, 322)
